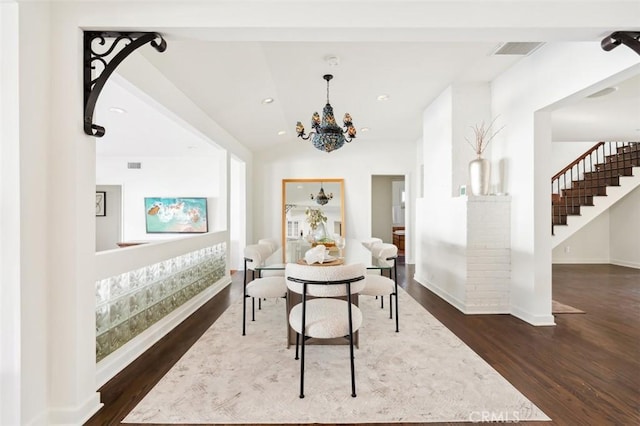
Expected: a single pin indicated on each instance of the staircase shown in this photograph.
(603, 171)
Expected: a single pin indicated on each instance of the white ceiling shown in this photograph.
(229, 79)
(612, 117)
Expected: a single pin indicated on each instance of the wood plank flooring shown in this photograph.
(583, 371)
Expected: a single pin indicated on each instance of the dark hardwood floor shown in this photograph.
(583, 371)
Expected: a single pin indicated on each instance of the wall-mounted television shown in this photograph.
(176, 215)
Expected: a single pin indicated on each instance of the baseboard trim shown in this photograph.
(78, 415)
(536, 320)
(455, 302)
(626, 263)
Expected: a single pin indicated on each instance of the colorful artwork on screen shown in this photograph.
(176, 215)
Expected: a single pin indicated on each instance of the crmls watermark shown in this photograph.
(494, 417)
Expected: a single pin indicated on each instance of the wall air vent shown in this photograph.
(517, 48)
(134, 165)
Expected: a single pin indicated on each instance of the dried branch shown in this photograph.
(482, 136)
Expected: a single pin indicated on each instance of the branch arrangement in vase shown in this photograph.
(482, 136)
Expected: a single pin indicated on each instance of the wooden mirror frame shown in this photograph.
(312, 186)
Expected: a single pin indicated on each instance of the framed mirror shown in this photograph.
(302, 195)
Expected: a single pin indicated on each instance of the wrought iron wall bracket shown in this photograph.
(628, 38)
(108, 60)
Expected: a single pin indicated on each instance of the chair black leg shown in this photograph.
(244, 299)
(302, 336)
(244, 313)
(391, 306)
(297, 344)
(397, 315)
(353, 375)
(395, 282)
(253, 309)
(381, 302)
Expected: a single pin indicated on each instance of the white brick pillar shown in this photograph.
(488, 255)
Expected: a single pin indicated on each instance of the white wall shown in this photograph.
(441, 236)
(563, 153)
(109, 227)
(355, 162)
(551, 75)
(471, 108)
(588, 245)
(624, 236)
(163, 177)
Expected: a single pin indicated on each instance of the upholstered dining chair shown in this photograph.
(262, 287)
(267, 247)
(324, 316)
(368, 243)
(378, 284)
(271, 242)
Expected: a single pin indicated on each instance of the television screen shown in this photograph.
(176, 214)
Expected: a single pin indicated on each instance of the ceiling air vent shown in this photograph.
(134, 165)
(517, 48)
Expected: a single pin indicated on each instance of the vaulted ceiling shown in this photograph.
(230, 74)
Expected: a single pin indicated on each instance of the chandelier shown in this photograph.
(322, 198)
(326, 134)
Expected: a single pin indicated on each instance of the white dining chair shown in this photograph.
(262, 287)
(377, 284)
(324, 316)
(368, 243)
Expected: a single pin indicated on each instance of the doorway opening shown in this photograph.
(388, 213)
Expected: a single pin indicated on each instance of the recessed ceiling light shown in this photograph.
(603, 92)
(282, 132)
(383, 97)
(117, 110)
(332, 60)
(267, 100)
(364, 129)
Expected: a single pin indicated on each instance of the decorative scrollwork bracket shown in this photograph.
(105, 62)
(630, 39)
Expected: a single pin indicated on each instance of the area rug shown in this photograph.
(561, 308)
(424, 373)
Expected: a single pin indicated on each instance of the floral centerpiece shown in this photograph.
(317, 221)
(315, 217)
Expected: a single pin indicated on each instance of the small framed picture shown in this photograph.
(101, 203)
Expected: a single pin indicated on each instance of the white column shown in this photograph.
(71, 177)
(35, 284)
(10, 349)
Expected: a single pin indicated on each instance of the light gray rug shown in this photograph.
(424, 373)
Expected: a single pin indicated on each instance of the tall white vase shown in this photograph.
(480, 176)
